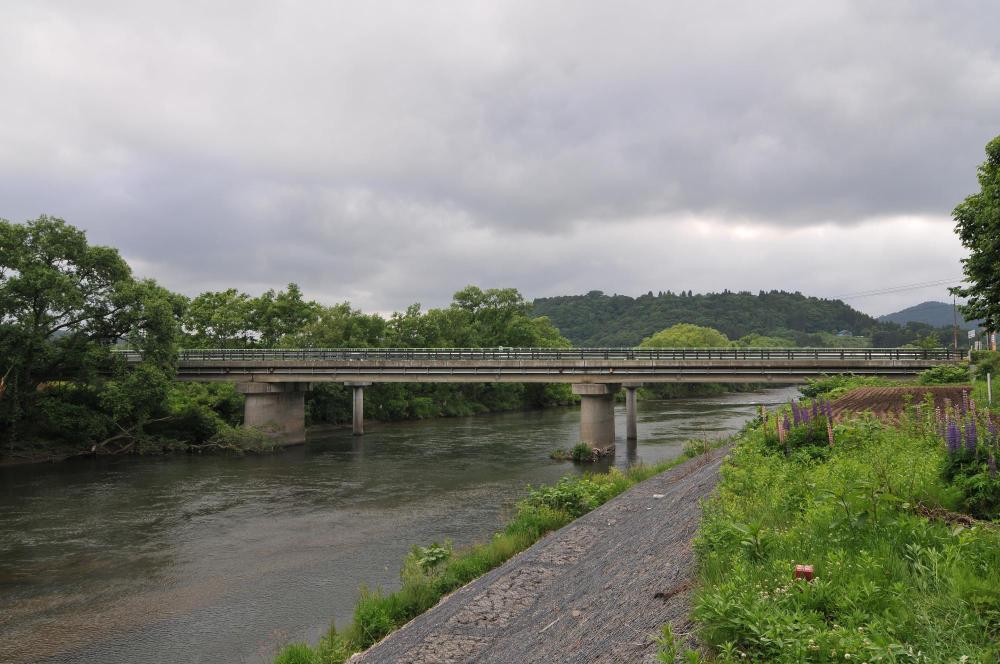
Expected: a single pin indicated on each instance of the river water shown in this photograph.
(224, 559)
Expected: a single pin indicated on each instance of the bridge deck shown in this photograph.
(549, 365)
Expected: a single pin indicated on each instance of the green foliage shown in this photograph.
(63, 305)
(977, 222)
(685, 335)
(832, 387)
(755, 340)
(986, 362)
(596, 319)
(890, 584)
(582, 453)
(666, 645)
(944, 375)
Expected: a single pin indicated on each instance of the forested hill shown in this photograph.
(596, 319)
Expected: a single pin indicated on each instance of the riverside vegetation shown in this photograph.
(66, 304)
(429, 573)
(899, 521)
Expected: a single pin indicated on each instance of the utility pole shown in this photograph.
(954, 326)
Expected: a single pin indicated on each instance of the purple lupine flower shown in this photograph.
(787, 424)
(971, 435)
(795, 413)
(828, 409)
(804, 414)
(953, 438)
(815, 411)
(991, 426)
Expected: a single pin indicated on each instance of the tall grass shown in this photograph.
(891, 585)
(426, 578)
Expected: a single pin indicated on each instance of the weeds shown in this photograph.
(889, 586)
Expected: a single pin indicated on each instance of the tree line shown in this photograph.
(598, 319)
(65, 305)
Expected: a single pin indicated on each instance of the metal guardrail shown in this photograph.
(419, 354)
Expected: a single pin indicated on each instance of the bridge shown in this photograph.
(275, 380)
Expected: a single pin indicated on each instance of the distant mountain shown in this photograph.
(597, 319)
(935, 314)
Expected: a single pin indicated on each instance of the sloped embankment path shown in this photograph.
(595, 591)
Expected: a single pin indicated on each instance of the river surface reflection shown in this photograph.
(223, 559)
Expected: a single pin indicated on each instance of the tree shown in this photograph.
(686, 335)
(978, 226)
(63, 305)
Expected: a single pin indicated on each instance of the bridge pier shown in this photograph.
(359, 407)
(597, 414)
(279, 408)
(631, 426)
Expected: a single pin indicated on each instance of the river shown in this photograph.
(223, 559)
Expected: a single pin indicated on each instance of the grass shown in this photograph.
(891, 585)
(429, 573)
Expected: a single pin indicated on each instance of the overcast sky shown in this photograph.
(392, 152)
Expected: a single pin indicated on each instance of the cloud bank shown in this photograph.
(392, 152)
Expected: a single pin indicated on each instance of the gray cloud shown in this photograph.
(389, 152)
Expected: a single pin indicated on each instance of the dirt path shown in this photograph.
(596, 591)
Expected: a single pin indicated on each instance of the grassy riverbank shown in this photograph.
(902, 572)
(429, 573)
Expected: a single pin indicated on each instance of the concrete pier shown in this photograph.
(597, 413)
(279, 408)
(631, 427)
(359, 406)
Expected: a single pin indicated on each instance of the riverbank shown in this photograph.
(896, 518)
(121, 559)
(596, 572)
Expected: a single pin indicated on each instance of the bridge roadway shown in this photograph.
(275, 380)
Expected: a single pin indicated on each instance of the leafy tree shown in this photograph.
(222, 319)
(338, 326)
(760, 341)
(978, 226)
(685, 335)
(63, 304)
(283, 313)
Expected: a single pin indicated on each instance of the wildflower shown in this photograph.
(953, 438)
(788, 425)
(971, 435)
(965, 403)
(796, 418)
(815, 410)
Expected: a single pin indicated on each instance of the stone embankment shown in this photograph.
(596, 591)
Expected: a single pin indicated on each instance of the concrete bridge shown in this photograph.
(275, 380)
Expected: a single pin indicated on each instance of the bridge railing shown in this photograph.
(417, 354)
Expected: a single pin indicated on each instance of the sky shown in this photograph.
(387, 153)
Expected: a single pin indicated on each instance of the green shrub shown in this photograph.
(944, 375)
(986, 362)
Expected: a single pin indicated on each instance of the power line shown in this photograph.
(899, 289)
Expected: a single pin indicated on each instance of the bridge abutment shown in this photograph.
(279, 408)
(597, 413)
(359, 407)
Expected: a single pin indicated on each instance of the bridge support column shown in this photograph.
(631, 427)
(359, 406)
(278, 408)
(597, 414)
